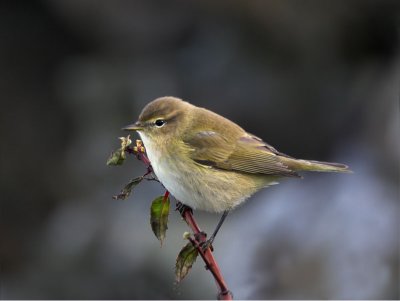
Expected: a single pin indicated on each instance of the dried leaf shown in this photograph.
(126, 191)
(186, 257)
(116, 158)
(159, 217)
(125, 142)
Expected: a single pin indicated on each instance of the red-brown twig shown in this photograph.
(200, 236)
(211, 264)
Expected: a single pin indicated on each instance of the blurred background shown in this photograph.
(316, 79)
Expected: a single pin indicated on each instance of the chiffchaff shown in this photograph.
(208, 162)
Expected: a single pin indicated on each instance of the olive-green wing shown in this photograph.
(247, 154)
(209, 148)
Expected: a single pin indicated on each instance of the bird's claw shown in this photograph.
(207, 244)
(204, 244)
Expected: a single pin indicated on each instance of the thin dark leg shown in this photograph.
(209, 242)
(221, 221)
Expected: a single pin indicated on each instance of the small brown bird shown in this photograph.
(208, 162)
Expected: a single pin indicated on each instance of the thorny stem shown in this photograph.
(199, 239)
(206, 255)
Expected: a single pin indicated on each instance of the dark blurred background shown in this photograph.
(316, 79)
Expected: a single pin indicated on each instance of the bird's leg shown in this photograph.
(182, 208)
(209, 242)
(199, 235)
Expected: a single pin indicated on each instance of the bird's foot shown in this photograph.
(207, 244)
(204, 244)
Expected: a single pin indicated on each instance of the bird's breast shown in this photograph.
(172, 172)
(197, 186)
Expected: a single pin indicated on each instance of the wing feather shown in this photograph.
(247, 154)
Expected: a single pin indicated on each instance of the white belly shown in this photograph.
(185, 184)
(170, 177)
(212, 190)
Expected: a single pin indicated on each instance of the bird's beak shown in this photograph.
(137, 126)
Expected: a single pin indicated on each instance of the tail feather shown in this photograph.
(311, 165)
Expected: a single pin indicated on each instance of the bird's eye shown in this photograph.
(159, 122)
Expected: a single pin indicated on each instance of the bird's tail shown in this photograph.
(310, 165)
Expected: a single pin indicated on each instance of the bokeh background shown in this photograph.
(316, 79)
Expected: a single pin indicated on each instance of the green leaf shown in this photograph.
(159, 217)
(117, 157)
(186, 257)
(126, 191)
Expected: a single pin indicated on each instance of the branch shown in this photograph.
(200, 237)
(211, 264)
(138, 151)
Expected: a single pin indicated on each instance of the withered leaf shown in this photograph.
(116, 158)
(126, 191)
(159, 217)
(186, 257)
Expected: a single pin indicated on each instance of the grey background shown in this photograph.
(316, 79)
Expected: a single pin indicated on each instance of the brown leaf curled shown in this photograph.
(118, 157)
(127, 190)
(186, 257)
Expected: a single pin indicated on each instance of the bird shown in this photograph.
(208, 162)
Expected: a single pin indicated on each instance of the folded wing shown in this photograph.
(247, 154)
